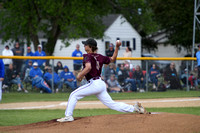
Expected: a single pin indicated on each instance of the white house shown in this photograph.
(166, 50)
(163, 50)
(118, 28)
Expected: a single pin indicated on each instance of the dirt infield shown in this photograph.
(126, 123)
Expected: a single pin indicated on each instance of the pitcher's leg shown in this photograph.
(81, 92)
(105, 98)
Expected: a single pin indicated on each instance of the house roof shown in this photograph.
(109, 19)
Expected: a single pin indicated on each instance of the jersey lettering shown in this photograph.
(97, 64)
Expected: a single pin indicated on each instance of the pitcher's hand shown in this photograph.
(118, 43)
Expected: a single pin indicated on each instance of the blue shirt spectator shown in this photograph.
(66, 74)
(37, 79)
(1, 69)
(153, 74)
(198, 60)
(35, 71)
(198, 56)
(48, 78)
(29, 53)
(77, 53)
(1, 76)
(68, 78)
(40, 53)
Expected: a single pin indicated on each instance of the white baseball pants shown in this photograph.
(95, 87)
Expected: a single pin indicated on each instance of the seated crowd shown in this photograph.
(120, 78)
(41, 79)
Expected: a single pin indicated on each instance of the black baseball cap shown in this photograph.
(90, 42)
(7, 46)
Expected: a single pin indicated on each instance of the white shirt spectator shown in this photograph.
(7, 52)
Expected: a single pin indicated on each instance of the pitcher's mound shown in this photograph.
(126, 123)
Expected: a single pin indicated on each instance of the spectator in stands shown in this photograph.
(68, 78)
(184, 77)
(111, 69)
(18, 51)
(128, 52)
(172, 78)
(77, 63)
(198, 60)
(45, 68)
(122, 74)
(7, 62)
(37, 80)
(29, 53)
(40, 52)
(193, 78)
(139, 77)
(26, 72)
(113, 85)
(14, 78)
(48, 78)
(59, 67)
(154, 73)
(2, 71)
(123, 77)
(110, 51)
(35, 71)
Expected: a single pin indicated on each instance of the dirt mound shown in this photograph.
(128, 123)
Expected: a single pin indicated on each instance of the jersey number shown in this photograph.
(97, 64)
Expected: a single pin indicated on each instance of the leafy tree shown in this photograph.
(140, 15)
(67, 19)
(52, 18)
(176, 17)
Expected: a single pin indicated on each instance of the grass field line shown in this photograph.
(167, 102)
(141, 101)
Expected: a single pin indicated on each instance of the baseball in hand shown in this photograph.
(118, 43)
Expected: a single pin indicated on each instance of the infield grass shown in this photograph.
(34, 97)
(21, 117)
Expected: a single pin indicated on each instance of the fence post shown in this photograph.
(188, 89)
(147, 75)
(52, 83)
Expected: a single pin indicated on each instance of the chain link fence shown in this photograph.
(35, 74)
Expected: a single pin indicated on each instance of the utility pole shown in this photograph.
(196, 20)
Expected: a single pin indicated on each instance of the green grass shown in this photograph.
(34, 97)
(21, 117)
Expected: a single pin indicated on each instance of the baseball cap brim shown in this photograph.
(90, 42)
(84, 42)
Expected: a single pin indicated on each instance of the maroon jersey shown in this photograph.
(97, 61)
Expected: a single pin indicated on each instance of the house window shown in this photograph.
(134, 44)
(128, 43)
(125, 43)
